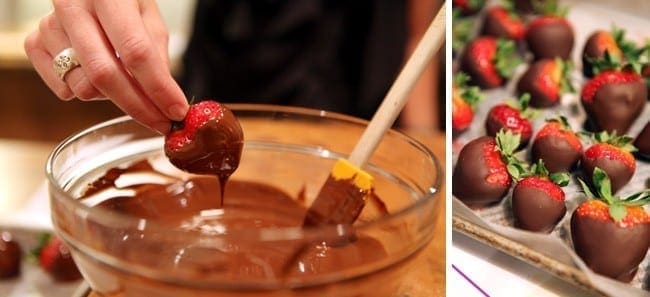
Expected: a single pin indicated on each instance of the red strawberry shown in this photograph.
(551, 35)
(489, 61)
(513, 117)
(56, 260)
(538, 199)
(481, 175)
(612, 154)
(613, 100)
(501, 22)
(10, 254)
(468, 7)
(598, 44)
(208, 141)
(557, 145)
(464, 99)
(610, 234)
(546, 80)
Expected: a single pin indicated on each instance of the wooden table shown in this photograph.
(22, 172)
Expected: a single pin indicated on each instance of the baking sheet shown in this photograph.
(497, 220)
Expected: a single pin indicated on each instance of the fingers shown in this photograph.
(42, 62)
(55, 40)
(156, 28)
(103, 69)
(140, 55)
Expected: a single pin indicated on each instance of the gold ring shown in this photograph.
(64, 62)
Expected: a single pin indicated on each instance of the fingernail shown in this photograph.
(177, 111)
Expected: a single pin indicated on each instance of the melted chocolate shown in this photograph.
(550, 41)
(10, 255)
(618, 173)
(192, 205)
(535, 211)
(557, 153)
(642, 142)
(608, 249)
(616, 106)
(339, 202)
(469, 177)
(528, 84)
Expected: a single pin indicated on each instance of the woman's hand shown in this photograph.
(121, 47)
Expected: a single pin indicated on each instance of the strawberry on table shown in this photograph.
(55, 258)
(464, 100)
(612, 154)
(489, 61)
(502, 21)
(546, 81)
(551, 35)
(613, 100)
(468, 7)
(557, 145)
(604, 48)
(10, 254)
(481, 176)
(538, 199)
(611, 234)
(512, 116)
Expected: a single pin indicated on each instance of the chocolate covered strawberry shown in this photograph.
(530, 6)
(613, 100)
(557, 145)
(605, 48)
(546, 81)
(468, 7)
(464, 99)
(642, 142)
(10, 254)
(55, 258)
(612, 154)
(489, 61)
(512, 116)
(551, 35)
(538, 199)
(481, 176)
(611, 234)
(500, 21)
(208, 141)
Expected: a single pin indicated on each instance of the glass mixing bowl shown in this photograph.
(292, 149)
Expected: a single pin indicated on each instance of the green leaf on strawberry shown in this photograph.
(523, 106)
(470, 94)
(506, 58)
(623, 142)
(566, 68)
(507, 144)
(549, 8)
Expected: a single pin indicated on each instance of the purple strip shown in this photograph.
(470, 280)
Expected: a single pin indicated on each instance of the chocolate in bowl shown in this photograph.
(207, 251)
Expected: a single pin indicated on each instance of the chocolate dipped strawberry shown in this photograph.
(642, 142)
(611, 234)
(10, 254)
(468, 7)
(512, 116)
(604, 48)
(612, 154)
(489, 61)
(613, 100)
(546, 81)
(530, 6)
(501, 21)
(551, 35)
(538, 199)
(464, 99)
(481, 176)
(208, 141)
(557, 145)
(55, 258)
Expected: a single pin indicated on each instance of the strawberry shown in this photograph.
(612, 154)
(512, 116)
(551, 35)
(611, 234)
(538, 200)
(500, 21)
(208, 141)
(464, 100)
(489, 61)
(604, 48)
(546, 81)
(557, 145)
(613, 100)
(55, 258)
(530, 6)
(468, 7)
(482, 173)
(10, 254)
